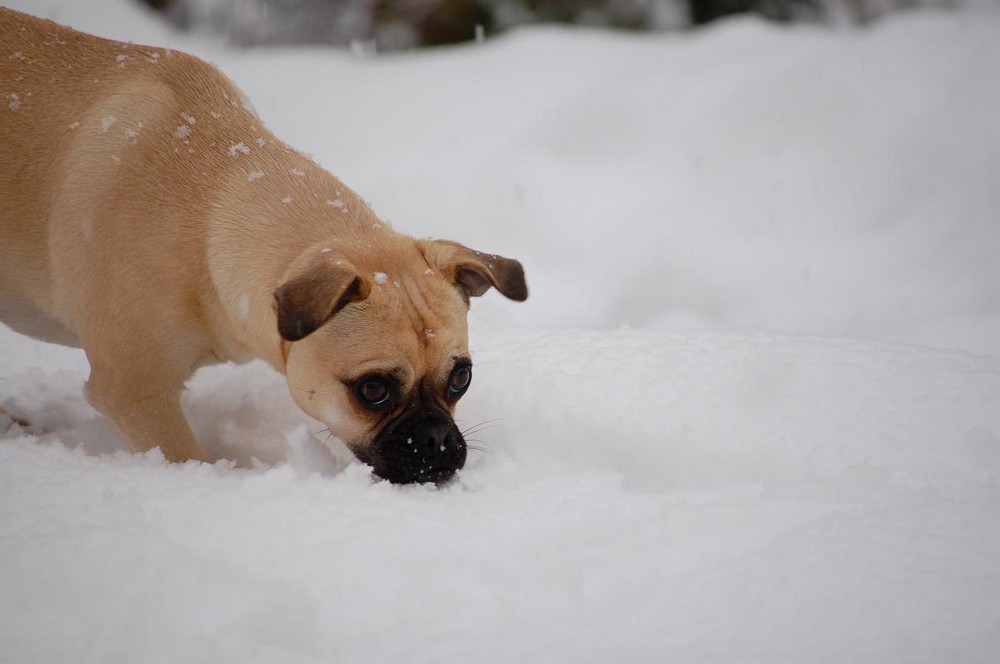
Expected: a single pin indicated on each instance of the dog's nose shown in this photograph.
(434, 440)
(431, 451)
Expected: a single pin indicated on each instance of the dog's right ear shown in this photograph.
(316, 286)
(474, 272)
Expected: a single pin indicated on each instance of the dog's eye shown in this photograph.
(373, 392)
(459, 380)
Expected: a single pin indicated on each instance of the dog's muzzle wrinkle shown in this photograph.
(425, 448)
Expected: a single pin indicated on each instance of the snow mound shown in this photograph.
(648, 495)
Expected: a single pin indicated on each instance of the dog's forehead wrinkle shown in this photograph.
(423, 294)
(408, 299)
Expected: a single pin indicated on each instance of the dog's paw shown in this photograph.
(8, 421)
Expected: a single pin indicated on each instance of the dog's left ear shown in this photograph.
(318, 284)
(473, 272)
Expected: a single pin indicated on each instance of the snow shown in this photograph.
(381, 278)
(237, 149)
(107, 123)
(750, 412)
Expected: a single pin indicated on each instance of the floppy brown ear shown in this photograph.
(316, 286)
(473, 272)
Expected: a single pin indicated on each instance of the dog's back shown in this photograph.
(94, 130)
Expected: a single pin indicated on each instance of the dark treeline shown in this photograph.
(400, 24)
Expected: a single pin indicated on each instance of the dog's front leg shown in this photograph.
(143, 402)
(151, 421)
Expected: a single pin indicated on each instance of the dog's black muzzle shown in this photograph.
(418, 448)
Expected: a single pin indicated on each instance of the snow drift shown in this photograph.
(711, 435)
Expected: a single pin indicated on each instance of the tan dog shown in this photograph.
(147, 217)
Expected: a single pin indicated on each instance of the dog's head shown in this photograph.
(376, 346)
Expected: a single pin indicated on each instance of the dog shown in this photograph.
(148, 217)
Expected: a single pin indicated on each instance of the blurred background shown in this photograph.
(389, 25)
(749, 412)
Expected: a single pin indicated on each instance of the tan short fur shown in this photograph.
(147, 216)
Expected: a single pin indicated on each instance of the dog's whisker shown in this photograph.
(482, 426)
(478, 442)
(491, 421)
(473, 431)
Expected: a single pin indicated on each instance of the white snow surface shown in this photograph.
(750, 412)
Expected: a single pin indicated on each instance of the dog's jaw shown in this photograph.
(415, 447)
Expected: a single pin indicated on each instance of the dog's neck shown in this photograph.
(274, 205)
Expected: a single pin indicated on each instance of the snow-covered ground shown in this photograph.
(751, 412)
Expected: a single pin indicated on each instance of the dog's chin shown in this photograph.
(424, 451)
(439, 477)
(414, 472)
